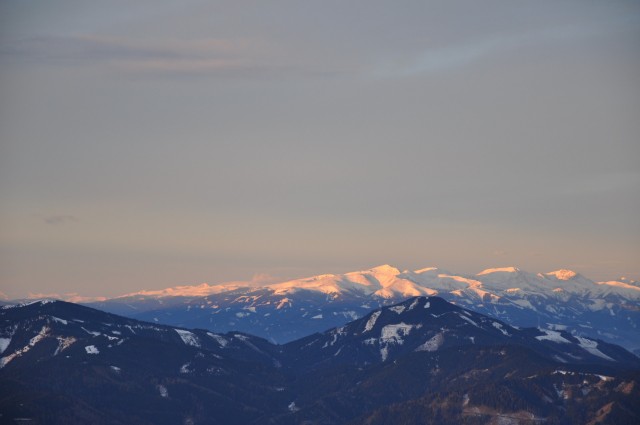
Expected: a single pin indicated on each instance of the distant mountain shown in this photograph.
(430, 324)
(421, 361)
(281, 312)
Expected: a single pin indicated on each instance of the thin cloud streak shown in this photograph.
(91, 47)
(247, 56)
(170, 56)
(55, 220)
(213, 57)
(446, 58)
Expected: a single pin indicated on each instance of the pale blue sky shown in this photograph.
(147, 144)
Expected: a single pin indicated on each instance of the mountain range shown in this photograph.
(423, 360)
(285, 311)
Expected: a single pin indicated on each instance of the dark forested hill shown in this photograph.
(421, 361)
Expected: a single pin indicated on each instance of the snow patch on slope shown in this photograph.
(164, 393)
(392, 335)
(188, 337)
(433, 343)
(372, 321)
(32, 342)
(591, 346)
(59, 320)
(4, 343)
(219, 339)
(94, 333)
(292, 407)
(499, 327)
(63, 344)
(413, 304)
(397, 309)
(285, 302)
(553, 336)
(468, 320)
(92, 349)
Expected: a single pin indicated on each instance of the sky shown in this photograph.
(148, 144)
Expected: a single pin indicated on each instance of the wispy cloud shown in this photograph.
(60, 219)
(201, 56)
(216, 57)
(447, 57)
(92, 48)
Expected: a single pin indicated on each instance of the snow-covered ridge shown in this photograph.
(201, 290)
(618, 284)
(388, 282)
(28, 303)
(383, 281)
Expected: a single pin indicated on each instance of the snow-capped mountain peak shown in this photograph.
(386, 281)
(383, 281)
(385, 269)
(327, 284)
(563, 274)
(499, 270)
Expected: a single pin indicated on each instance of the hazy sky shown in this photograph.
(147, 144)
